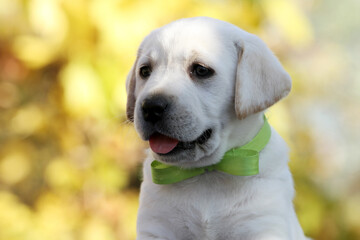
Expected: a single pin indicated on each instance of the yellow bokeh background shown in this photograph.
(69, 160)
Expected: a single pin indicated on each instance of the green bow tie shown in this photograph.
(241, 161)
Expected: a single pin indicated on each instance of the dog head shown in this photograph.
(192, 80)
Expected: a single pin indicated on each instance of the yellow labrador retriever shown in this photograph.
(216, 169)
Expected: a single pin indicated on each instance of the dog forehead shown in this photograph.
(186, 38)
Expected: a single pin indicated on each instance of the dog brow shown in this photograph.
(195, 56)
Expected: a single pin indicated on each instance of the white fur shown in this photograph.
(247, 80)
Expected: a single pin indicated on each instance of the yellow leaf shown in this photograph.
(291, 22)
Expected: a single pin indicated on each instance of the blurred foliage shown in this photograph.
(69, 162)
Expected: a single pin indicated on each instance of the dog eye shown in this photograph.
(145, 72)
(201, 71)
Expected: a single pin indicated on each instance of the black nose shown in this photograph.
(153, 108)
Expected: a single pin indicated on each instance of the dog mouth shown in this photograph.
(164, 145)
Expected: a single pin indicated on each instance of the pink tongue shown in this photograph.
(162, 144)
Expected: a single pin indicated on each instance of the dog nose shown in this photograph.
(153, 108)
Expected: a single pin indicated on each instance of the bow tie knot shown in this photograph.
(209, 168)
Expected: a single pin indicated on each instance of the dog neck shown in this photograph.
(236, 134)
(241, 132)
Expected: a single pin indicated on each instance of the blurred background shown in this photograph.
(69, 161)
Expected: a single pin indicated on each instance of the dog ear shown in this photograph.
(261, 81)
(130, 89)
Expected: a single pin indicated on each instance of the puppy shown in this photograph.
(197, 91)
